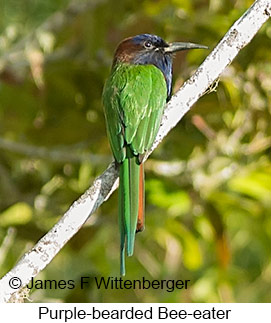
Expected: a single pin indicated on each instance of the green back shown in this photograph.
(134, 97)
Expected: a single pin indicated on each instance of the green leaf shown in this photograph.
(17, 214)
(192, 258)
(176, 201)
(256, 185)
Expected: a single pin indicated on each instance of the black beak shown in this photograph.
(175, 47)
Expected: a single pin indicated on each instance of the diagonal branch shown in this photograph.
(239, 35)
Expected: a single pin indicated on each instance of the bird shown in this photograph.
(134, 97)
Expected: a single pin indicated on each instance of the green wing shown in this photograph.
(134, 98)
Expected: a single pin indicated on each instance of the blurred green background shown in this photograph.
(208, 185)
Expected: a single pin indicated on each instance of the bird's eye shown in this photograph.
(148, 44)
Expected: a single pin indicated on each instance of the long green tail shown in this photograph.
(128, 206)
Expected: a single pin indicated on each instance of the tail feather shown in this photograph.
(133, 199)
(124, 213)
(141, 203)
(131, 205)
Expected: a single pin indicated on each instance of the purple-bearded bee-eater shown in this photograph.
(134, 98)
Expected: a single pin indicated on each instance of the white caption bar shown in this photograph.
(132, 312)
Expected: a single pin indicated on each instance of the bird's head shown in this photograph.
(147, 49)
